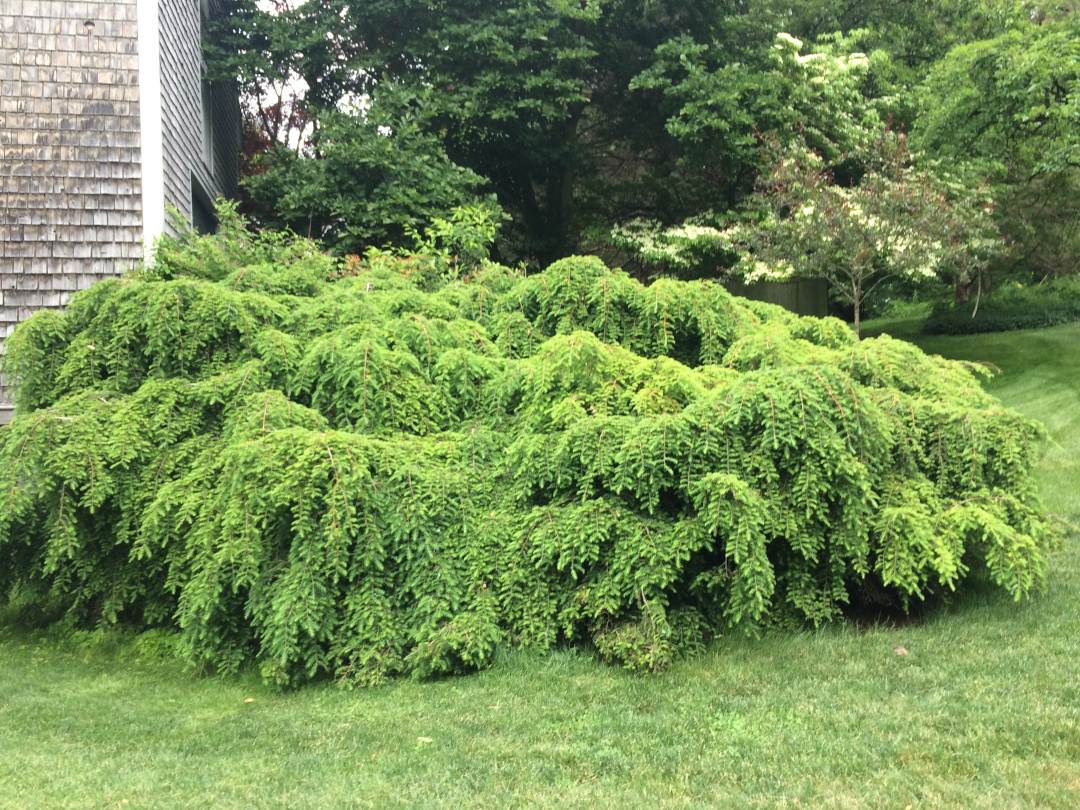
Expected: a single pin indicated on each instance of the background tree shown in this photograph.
(581, 116)
(829, 95)
(564, 109)
(1007, 109)
(371, 179)
(896, 221)
(889, 221)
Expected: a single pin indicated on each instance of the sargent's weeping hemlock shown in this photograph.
(105, 119)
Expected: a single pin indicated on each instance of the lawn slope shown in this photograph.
(984, 711)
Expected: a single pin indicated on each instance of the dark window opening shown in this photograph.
(202, 210)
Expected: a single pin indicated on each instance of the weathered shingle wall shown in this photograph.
(70, 159)
(70, 182)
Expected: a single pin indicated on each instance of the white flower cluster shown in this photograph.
(781, 270)
(680, 247)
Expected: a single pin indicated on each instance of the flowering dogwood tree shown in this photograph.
(884, 220)
(894, 222)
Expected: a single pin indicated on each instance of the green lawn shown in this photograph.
(983, 713)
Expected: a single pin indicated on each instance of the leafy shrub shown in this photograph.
(356, 475)
(1013, 305)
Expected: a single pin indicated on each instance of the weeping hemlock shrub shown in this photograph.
(384, 473)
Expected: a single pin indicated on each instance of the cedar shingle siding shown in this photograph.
(71, 157)
(70, 179)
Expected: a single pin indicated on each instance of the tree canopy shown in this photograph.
(1005, 110)
(578, 117)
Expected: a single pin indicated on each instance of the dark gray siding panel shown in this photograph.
(181, 75)
(182, 111)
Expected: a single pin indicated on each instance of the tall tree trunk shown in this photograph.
(858, 307)
(962, 290)
(559, 192)
(560, 202)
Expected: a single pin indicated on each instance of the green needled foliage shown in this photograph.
(378, 473)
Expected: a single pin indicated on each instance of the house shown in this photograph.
(106, 118)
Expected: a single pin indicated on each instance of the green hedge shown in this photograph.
(1011, 306)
